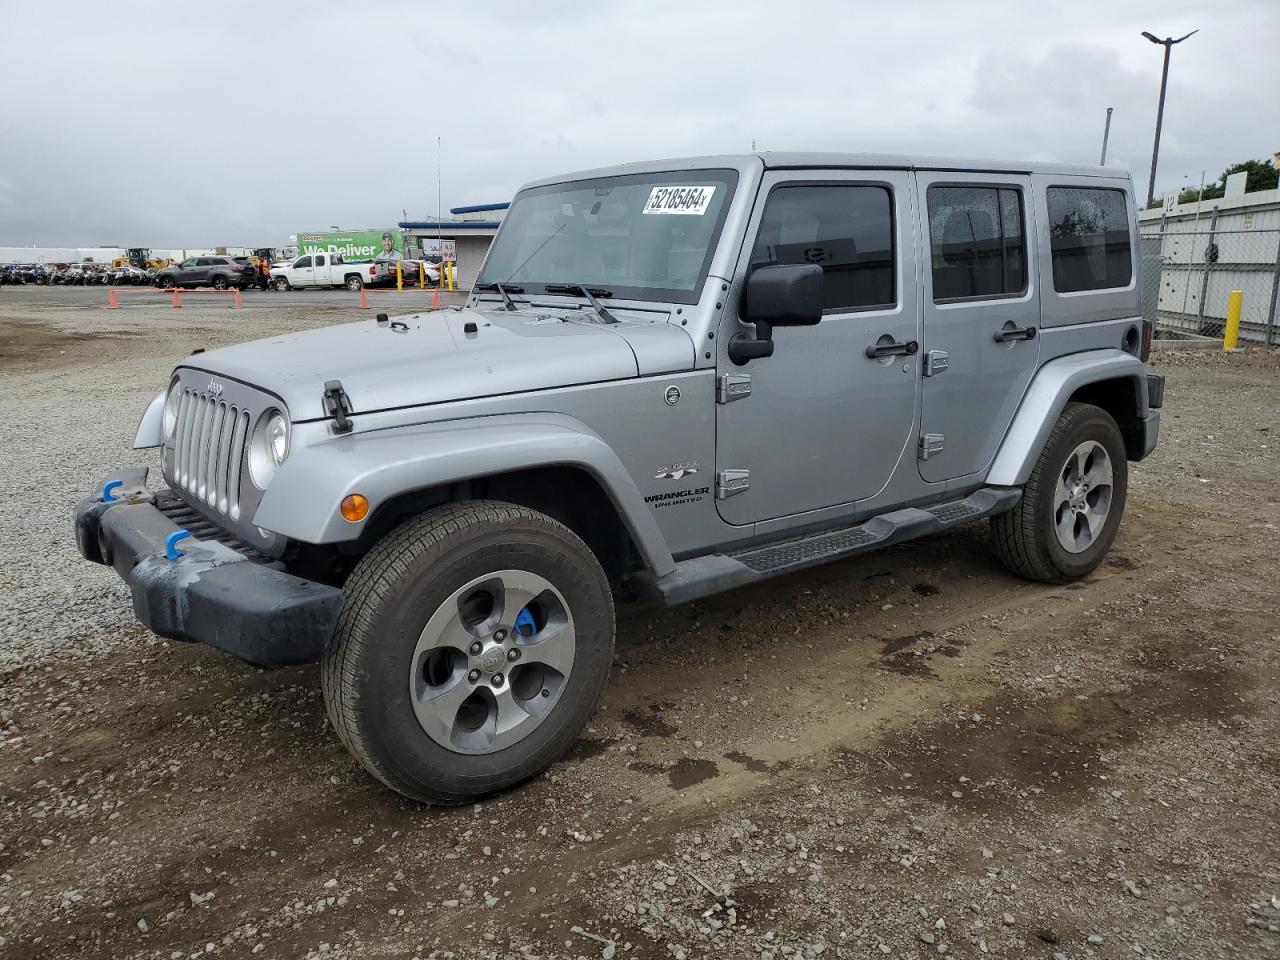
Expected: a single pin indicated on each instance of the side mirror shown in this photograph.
(788, 295)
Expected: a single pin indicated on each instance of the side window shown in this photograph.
(977, 242)
(189, 262)
(847, 230)
(1089, 239)
(320, 260)
(301, 262)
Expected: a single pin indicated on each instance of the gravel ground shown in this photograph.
(912, 754)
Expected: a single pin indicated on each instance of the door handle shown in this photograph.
(892, 348)
(1015, 333)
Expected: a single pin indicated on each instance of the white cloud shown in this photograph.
(143, 126)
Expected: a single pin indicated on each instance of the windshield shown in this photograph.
(640, 237)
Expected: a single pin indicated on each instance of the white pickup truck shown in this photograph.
(327, 270)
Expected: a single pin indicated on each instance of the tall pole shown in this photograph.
(1167, 43)
(1155, 149)
(1106, 135)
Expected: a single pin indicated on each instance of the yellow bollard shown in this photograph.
(422, 274)
(399, 276)
(453, 273)
(1232, 334)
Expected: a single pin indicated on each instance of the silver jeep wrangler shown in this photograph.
(676, 377)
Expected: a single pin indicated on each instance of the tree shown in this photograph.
(1259, 175)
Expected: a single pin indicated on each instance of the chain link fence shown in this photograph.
(1199, 267)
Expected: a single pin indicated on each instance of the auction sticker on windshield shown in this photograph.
(682, 200)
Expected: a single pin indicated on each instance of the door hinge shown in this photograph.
(935, 362)
(729, 482)
(337, 405)
(733, 386)
(930, 445)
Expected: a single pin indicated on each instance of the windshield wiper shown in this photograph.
(504, 289)
(578, 290)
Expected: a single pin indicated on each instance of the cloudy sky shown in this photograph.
(241, 123)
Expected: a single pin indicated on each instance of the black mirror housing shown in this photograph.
(784, 295)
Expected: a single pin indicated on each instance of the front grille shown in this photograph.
(209, 441)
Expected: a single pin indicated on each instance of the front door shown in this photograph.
(303, 273)
(822, 423)
(981, 316)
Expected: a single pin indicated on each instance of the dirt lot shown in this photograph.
(907, 755)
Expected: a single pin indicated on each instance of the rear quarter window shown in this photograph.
(1089, 239)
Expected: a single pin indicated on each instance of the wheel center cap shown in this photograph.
(493, 659)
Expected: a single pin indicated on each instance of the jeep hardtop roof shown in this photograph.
(788, 160)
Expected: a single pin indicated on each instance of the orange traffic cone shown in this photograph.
(364, 298)
(237, 290)
(177, 297)
(111, 299)
(435, 299)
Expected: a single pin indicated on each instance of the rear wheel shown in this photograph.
(473, 643)
(219, 282)
(354, 282)
(1071, 506)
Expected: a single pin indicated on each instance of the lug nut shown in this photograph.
(476, 647)
(497, 679)
(513, 654)
(499, 635)
(474, 676)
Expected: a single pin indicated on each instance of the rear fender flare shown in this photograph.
(302, 500)
(1046, 398)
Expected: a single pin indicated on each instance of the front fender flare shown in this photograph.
(302, 500)
(1045, 400)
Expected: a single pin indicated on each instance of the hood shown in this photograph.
(431, 357)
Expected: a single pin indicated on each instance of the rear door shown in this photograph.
(821, 423)
(302, 273)
(981, 316)
(321, 270)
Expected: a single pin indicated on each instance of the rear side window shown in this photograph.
(1089, 239)
(320, 260)
(978, 245)
(847, 230)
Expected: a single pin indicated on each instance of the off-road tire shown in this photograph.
(388, 599)
(1024, 538)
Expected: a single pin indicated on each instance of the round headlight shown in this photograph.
(268, 447)
(170, 419)
(277, 439)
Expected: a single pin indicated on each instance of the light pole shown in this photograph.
(1167, 43)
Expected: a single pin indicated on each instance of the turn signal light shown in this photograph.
(355, 507)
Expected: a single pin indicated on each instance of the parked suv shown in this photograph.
(680, 377)
(216, 272)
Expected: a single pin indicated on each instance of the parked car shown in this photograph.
(409, 270)
(674, 378)
(218, 272)
(327, 270)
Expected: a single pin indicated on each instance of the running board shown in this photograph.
(702, 576)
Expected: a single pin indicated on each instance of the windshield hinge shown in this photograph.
(733, 386)
(337, 405)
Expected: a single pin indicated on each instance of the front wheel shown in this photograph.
(1071, 506)
(282, 285)
(354, 283)
(473, 643)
